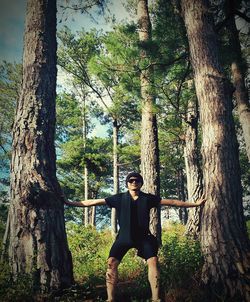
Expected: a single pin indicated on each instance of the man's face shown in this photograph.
(134, 183)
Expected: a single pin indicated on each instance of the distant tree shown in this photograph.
(238, 70)
(224, 238)
(77, 152)
(92, 59)
(10, 84)
(149, 131)
(38, 243)
(193, 168)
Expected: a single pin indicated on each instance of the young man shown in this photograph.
(133, 213)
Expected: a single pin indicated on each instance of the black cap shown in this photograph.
(134, 174)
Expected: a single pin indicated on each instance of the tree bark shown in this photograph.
(224, 237)
(86, 210)
(193, 170)
(149, 132)
(238, 75)
(38, 243)
(181, 196)
(115, 175)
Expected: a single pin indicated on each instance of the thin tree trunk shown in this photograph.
(149, 132)
(193, 170)
(93, 216)
(238, 74)
(115, 175)
(224, 239)
(86, 210)
(5, 238)
(86, 194)
(181, 196)
(38, 243)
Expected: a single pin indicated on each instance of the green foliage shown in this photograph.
(248, 227)
(180, 260)
(76, 151)
(116, 70)
(17, 290)
(89, 257)
(69, 117)
(10, 83)
(180, 256)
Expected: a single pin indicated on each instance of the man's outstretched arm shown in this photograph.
(183, 204)
(85, 203)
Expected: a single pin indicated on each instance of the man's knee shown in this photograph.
(152, 262)
(111, 275)
(112, 263)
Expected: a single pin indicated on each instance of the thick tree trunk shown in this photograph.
(193, 170)
(224, 238)
(238, 67)
(149, 133)
(115, 175)
(38, 243)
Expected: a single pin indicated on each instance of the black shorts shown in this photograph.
(147, 248)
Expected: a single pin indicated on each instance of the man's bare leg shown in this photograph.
(154, 277)
(111, 278)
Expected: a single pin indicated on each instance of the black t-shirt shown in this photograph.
(138, 220)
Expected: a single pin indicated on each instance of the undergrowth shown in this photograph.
(180, 265)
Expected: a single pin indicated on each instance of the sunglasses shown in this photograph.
(131, 180)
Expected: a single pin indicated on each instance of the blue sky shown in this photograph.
(12, 17)
(12, 20)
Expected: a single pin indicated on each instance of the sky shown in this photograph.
(12, 22)
(11, 29)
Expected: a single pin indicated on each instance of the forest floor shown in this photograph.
(126, 292)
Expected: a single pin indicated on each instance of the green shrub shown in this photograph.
(180, 257)
(89, 252)
(248, 227)
(90, 249)
(17, 290)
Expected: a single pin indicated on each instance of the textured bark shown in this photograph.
(224, 238)
(115, 175)
(193, 170)
(38, 242)
(237, 68)
(149, 133)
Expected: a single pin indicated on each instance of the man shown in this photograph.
(133, 213)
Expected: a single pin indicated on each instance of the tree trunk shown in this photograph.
(86, 211)
(237, 68)
(224, 237)
(115, 175)
(181, 196)
(86, 194)
(38, 243)
(193, 170)
(149, 133)
(93, 216)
